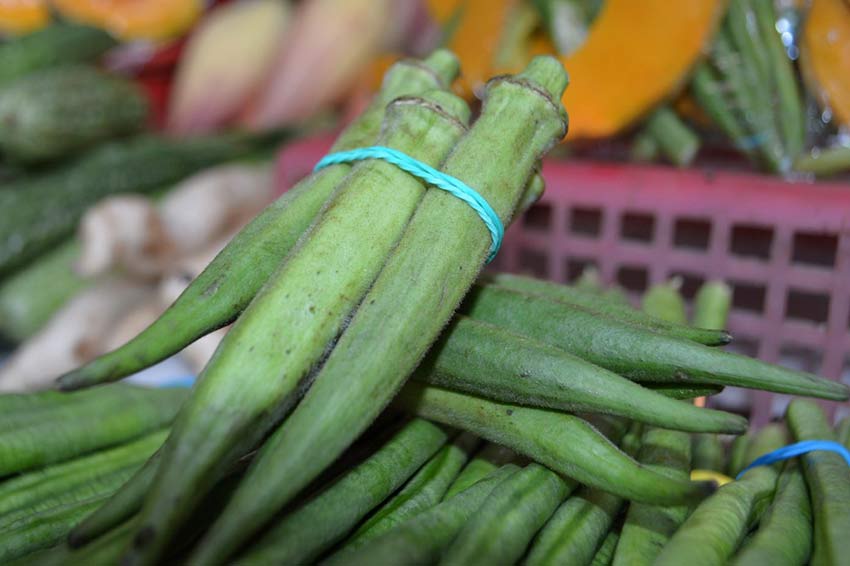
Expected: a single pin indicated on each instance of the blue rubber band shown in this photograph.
(798, 449)
(431, 176)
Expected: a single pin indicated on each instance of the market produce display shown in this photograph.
(358, 386)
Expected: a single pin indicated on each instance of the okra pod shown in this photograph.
(564, 443)
(634, 352)
(278, 341)
(828, 479)
(605, 554)
(718, 525)
(842, 432)
(219, 294)
(424, 490)
(499, 532)
(303, 534)
(485, 461)
(784, 535)
(648, 527)
(681, 392)
(674, 138)
(737, 455)
(424, 538)
(707, 452)
(74, 429)
(482, 359)
(824, 162)
(439, 256)
(601, 304)
(665, 302)
(712, 304)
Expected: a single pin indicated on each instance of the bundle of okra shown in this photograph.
(347, 286)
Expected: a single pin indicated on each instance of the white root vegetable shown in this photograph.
(73, 336)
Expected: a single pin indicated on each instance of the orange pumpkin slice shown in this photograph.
(134, 19)
(23, 16)
(825, 56)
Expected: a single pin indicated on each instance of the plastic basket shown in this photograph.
(783, 247)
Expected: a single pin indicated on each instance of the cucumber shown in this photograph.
(46, 208)
(53, 46)
(58, 112)
(31, 296)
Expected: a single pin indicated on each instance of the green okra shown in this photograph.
(790, 111)
(424, 490)
(490, 457)
(501, 529)
(675, 139)
(665, 302)
(707, 452)
(76, 427)
(277, 342)
(564, 443)
(223, 290)
(53, 482)
(576, 530)
(828, 479)
(716, 528)
(603, 305)
(605, 554)
(784, 535)
(424, 538)
(681, 392)
(433, 265)
(105, 550)
(842, 432)
(482, 359)
(712, 304)
(304, 533)
(648, 527)
(635, 352)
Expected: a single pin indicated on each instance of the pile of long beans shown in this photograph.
(348, 286)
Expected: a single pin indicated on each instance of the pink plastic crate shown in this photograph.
(784, 248)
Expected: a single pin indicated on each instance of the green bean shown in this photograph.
(707, 452)
(303, 534)
(784, 536)
(73, 429)
(601, 304)
(718, 525)
(633, 352)
(501, 529)
(424, 490)
(424, 538)
(648, 527)
(277, 342)
(482, 359)
(443, 247)
(579, 526)
(27, 489)
(828, 479)
(224, 289)
(485, 461)
(678, 142)
(712, 304)
(737, 455)
(564, 443)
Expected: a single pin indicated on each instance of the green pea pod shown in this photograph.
(424, 538)
(784, 535)
(712, 304)
(482, 359)
(579, 526)
(219, 294)
(564, 443)
(303, 534)
(499, 532)
(425, 490)
(708, 453)
(828, 479)
(718, 525)
(648, 527)
(443, 248)
(605, 555)
(485, 461)
(634, 352)
(75, 476)
(82, 424)
(278, 341)
(597, 303)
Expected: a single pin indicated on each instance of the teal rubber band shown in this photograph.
(798, 449)
(431, 176)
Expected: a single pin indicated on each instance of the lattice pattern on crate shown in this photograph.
(784, 248)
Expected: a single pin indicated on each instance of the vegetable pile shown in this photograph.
(356, 301)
